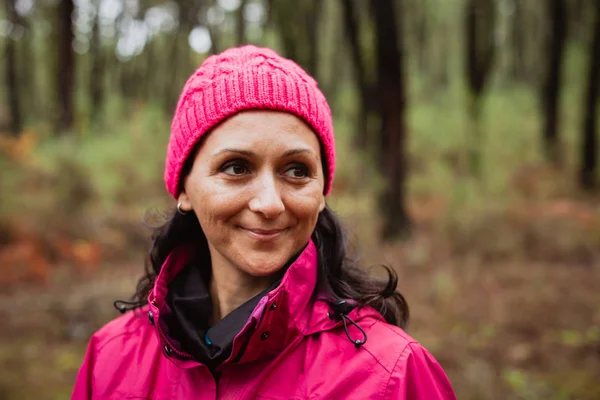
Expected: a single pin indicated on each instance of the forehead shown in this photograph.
(256, 127)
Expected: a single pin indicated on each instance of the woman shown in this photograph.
(249, 293)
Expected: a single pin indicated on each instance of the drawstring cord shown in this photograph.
(341, 310)
(124, 306)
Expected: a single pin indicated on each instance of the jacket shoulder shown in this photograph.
(386, 343)
(398, 367)
(118, 354)
(413, 371)
(118, 331)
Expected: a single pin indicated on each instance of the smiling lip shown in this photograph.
(265, 235)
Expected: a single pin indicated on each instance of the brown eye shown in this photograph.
(297, 172)
(234, 168)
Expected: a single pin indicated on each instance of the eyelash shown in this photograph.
(242, 163)
(302, 167)
(234, 163)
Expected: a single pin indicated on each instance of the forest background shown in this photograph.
(467, 142)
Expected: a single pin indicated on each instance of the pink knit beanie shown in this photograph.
(239, 79)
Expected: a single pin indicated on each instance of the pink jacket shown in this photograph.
(290, 348)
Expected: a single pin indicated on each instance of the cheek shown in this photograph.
(213, 206)
(306, 208)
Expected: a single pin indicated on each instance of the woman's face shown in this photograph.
(256, 186)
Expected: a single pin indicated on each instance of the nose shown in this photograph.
(266, 199)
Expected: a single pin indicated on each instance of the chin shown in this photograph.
(256, 265)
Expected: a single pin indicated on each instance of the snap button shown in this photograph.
(151, 317)
(168, 350)
(264, 336)
(273, 306)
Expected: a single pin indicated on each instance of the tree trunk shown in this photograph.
(214, 32)
(127, 78)
(352, 33)
(392, 106)
(27, 84)
(312, 32)
(337, 67)
(11, 73)
(269, 19)
(150, 73)
(578, 13)
(441, 79)
(241, 23)
(171, 91)
(286, 18)
(422, 36)
(96, 78)
(480, 20)
(298, 28)
(551, 88)
(518, 69)
(589, 150)
(66, 65)
(215, 39)
(480, 48)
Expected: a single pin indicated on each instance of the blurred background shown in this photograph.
(467, 144)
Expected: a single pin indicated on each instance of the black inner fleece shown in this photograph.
(191, 305)
(191, 309)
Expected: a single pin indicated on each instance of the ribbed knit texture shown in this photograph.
(245, 78)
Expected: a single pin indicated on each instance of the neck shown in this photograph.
(230, 287)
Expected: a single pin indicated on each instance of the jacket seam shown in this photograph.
(365, 347)
(407, 348)
(379, 361)
(389, 328)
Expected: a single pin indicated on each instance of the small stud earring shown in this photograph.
(179, 210)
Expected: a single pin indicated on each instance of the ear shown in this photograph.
(184, 199)
(323, 204)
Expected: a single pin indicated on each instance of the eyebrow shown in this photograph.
(238, 151)
(251, 153)
(297, 151)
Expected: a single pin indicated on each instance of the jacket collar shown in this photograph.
(286, 313)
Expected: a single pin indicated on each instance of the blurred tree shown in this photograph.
(442, 49)
(96, 72)
(241, 23)
(518, 66)
(480, 47)
(215, 36)
(26, 76)
(589, 149)
(334, 54)
(270, 6)
(126, 65)
(392, 106)
(180, 54)
(298, 26)
(11, 70)
(312, 19)
(532, 18)
(365, 87)
(418, 25)
(578, 18)
(550, 93)
(66, 66)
